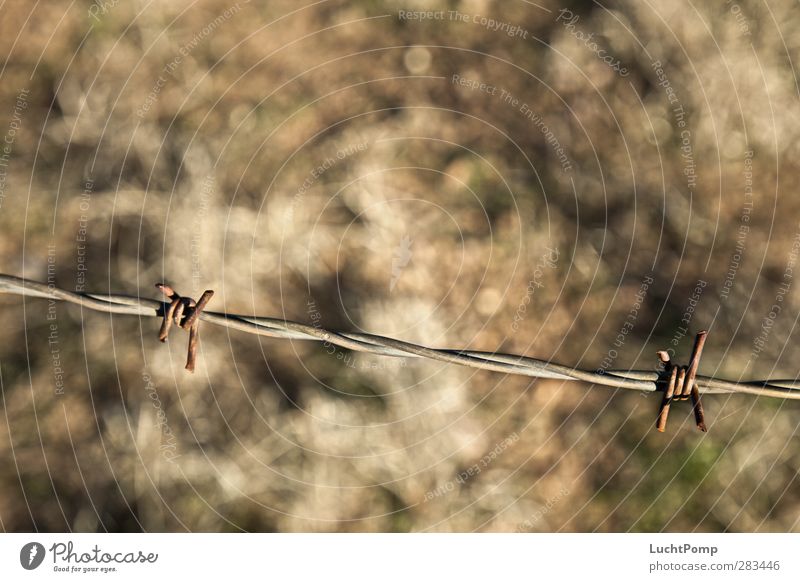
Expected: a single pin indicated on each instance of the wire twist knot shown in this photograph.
(682, 385)
(185, 312)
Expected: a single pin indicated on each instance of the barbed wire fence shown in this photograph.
(676, 382)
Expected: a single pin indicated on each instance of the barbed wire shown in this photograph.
(642, 380)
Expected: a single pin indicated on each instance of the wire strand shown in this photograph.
(643, 380)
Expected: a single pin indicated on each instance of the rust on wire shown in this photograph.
(691, 387)
(682, 385)
(185, 312)
(661, 423)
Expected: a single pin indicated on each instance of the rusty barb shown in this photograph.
(185, 312)
(681, 385)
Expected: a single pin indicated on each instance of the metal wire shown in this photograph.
(643, 380)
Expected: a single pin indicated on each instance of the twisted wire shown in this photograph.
(642, 380)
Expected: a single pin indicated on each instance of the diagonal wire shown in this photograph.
(643, 380)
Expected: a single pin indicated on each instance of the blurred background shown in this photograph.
(578, 181)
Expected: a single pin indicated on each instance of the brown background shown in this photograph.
(203, 189)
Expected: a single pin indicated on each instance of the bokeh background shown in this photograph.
(598, 182)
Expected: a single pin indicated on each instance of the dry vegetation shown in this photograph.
(182, 142)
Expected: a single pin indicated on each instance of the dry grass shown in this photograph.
(203, 190)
